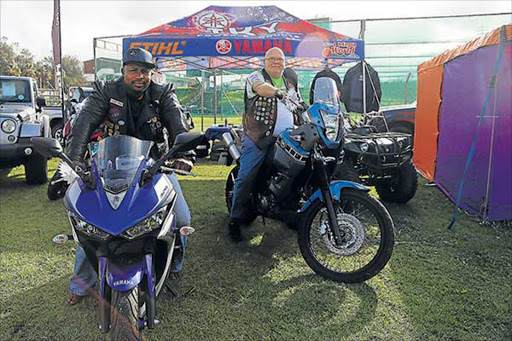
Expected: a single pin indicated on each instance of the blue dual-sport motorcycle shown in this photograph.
(121, 212)
(344, 233)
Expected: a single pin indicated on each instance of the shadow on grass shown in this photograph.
(42, 314)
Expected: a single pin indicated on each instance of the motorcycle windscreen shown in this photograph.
(117, 160)
(326, 92)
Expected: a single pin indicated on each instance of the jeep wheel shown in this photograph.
(346, 171)
(36, 170)
(402, 187)
(57, 132)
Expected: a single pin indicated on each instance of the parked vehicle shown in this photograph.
(398, 118)
(380, 159)
(344, 234)
(21, 117)
(121, 211)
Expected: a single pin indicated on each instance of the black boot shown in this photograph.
(234, 231)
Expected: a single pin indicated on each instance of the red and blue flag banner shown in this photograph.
(234, 34)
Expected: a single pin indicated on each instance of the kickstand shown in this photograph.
(169, 287)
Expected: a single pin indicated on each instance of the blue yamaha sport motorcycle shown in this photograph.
(344, 234)
(122, 213)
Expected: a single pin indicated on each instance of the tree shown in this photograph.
(16, 61)
(73, 71)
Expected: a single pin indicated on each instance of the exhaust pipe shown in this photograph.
(230, 144)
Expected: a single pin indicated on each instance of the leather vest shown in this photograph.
(259, 119)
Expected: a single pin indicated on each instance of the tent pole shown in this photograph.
(202, 100)
(361, 36)
(221, 83)
(215, 96)
(485, 207)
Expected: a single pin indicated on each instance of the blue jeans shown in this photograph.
(251, 159)
(84, 276)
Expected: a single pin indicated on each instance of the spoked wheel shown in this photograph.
(366, 247)
(230, 186)
(125, 315)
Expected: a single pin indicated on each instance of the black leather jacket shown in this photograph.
(106, 113)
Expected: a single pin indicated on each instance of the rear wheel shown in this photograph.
(125, 315)
(230, 186)
(367, 244)
(402, 187)
(36, 170)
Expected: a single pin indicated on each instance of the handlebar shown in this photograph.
(177, 171)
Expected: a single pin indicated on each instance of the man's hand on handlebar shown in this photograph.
(279, 95)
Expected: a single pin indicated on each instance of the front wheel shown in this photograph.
(125, 315)
(366, 247)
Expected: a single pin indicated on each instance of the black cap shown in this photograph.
(138, 55)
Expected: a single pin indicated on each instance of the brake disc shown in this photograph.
(354, 235)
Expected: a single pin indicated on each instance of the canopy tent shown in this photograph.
(463, 128)
(237, 37)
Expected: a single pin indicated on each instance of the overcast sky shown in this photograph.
(29, 22)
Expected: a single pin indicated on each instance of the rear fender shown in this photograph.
(335, 187)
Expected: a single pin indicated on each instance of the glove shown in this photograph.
(278, 94)
(183, 164)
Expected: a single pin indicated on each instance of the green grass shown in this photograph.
(208, 121)
(439, 285)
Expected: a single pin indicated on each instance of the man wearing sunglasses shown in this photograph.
(131, 105)
(265, 117)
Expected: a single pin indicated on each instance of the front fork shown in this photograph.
(320, 166)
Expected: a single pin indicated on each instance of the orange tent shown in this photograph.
(428, 112)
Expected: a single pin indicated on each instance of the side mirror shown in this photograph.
(47, 146)
(41, 102)
(187, 141)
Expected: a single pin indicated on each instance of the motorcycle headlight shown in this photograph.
(8, 126)
(87, 228)
(145, 226)
(332, 125)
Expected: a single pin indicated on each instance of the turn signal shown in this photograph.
(187, 230)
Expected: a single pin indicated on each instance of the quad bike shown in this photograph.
(379, 158)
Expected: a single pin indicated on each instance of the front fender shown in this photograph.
(124, 277)
(335, 187)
